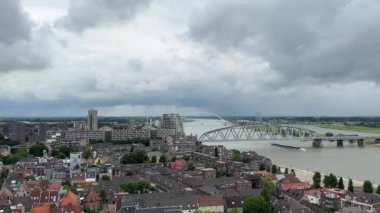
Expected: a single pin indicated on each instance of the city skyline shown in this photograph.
(137, 58)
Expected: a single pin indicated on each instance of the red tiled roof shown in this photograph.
(205, 200)
(299, 185)
(178, 164)
(92, 197)
(69, 199)
(41, 209)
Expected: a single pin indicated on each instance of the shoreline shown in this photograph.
(307, 176)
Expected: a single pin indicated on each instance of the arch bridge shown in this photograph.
(257, 132)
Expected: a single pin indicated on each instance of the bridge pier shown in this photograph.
(377, 140)
(339, 143)
(317, 143)
(360, 142)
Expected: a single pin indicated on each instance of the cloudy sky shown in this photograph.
(147, 57)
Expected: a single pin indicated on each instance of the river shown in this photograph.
(349, 161)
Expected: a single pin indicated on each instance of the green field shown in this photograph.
(340, 126)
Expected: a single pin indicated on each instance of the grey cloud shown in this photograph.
(318, 41)
(84, 14)
(20, 47)
(14, 22)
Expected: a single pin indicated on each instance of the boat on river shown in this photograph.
(288, 147)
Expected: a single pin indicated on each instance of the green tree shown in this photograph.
(186, 158)
(340, 183)
(255, 180)
(268, 188)
(236, 155)
(262, 166)
(256, 204)
(274, 169)
(37, 149)
(267, 168)
(234, 210)
(326, 181)
(136, 157)
(174, 158)
(350, 187)
(106, 178)
(316, 180)
(367, 187)
(378, 189)
(330, 181)
(103, 195)
(87, 154)
(153, 159)
(134, 187)
(329, 134)
(286, 171)
(190, 166)
(162, 159)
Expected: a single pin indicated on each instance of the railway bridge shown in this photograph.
(272, 132)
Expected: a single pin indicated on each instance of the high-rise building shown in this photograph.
(92, 119)
(173, 123)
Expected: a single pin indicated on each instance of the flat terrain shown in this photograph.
(355, 128)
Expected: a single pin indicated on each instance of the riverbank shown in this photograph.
(307, 176)
(353, 128)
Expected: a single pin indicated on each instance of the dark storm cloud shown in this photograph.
(320, 41)
(84, 14)
(18, 48)
(14, 22)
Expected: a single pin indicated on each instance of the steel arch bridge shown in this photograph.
(257, 132)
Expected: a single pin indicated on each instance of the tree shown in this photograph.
(87, 154)
(234, 210)
(378, 189)
(135, 186)
(256, 204)
(262, 166)
(236, 155)
(350, 187)
(153, 159)
(329, 134)
(106, 177)
(268, 188)
(103, 195)
(340, 183)
(255, 180)
(37, 149)
(286, 171)
(274, 169)
(293, 172)
(367, 187)
(162, 159)
(333, 181)
(136, 157)
(330, 181)
(174, 158)
(186, 158)
(190, 166)
(267, 168)
(316, 180)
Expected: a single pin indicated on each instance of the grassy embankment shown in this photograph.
(354, 128)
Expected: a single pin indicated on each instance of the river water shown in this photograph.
(349, 161)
